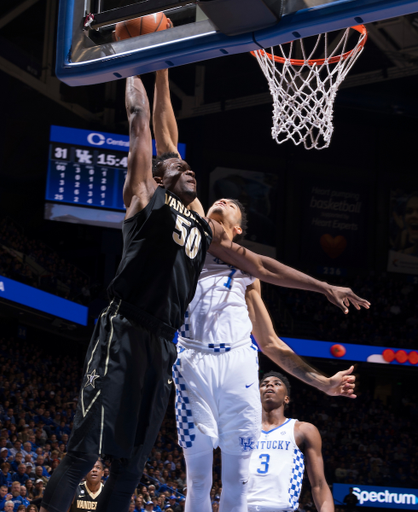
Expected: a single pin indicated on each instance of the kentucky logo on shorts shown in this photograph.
(91, 379)
(246, 443)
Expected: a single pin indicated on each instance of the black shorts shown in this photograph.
(125, 389)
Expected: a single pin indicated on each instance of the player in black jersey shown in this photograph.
(127, 371)
(88, 492)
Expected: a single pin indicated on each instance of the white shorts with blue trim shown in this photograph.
(217, 396)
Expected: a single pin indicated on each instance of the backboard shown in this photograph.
(89, 55)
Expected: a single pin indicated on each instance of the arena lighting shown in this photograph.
(376, 496)
(42, 301)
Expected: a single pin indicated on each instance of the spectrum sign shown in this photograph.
(381, 497)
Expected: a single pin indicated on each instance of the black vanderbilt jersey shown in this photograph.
(164, 248)
(84, 499)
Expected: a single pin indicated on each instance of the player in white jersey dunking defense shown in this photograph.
(281, 453)
(216, 373)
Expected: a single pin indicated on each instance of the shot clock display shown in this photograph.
(87, 169)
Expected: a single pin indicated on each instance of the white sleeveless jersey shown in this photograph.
(276, 470)
(218, 312)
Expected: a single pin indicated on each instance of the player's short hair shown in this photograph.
(156, 162)
(411, 196)
(280, 376)
(100, 461)
(244, 221)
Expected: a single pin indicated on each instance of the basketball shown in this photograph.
(140, 26)
(338, 350)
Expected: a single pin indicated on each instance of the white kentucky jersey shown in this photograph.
(276, 470)
(218, 312)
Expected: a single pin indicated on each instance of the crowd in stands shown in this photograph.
(392, 321)
(52, 272)
(364, 440)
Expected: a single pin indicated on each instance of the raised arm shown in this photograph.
(274, 272)
(164, 124)
(163, 120)
(139, 185)
(341, 384)
(309, 436)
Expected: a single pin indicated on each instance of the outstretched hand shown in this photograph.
(343, 297)
(342, 384)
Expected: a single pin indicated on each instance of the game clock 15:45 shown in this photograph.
(110, 160)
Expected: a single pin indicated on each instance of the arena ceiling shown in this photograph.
(27, 53)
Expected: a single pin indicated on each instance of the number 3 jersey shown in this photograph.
(276, 471)
(164, 248)
(218, 312)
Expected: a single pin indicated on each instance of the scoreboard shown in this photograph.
(88, 168)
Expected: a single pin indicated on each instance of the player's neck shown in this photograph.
(273, 418)
(93, 486)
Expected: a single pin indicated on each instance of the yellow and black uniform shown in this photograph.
(84, 499)
(128, 366)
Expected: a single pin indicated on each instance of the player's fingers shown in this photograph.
(356, 299)
(348, 371)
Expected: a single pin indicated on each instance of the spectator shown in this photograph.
(5, 476)
(20, 475)
(350, 501)
(39, 475)
(29, 490)
(17, 461)
(16, 496)
(32, 508)
(39, 488)
(173, 503)
(4, 496)
(17, 447)
(139, 503)
(4, 455)
(8, 506)
(24, 494)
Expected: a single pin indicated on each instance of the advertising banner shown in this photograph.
(42, 301)
(375, 496)
(403, 232)
(334, 224)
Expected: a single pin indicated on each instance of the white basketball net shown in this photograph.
(304, 94)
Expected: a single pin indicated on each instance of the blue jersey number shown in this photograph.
(231, 275)
(265, 463)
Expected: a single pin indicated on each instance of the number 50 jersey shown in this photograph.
(276, 471)
(164, 248)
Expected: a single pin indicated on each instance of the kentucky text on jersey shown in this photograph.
(272, 445)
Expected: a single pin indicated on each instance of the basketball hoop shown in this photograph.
(304, 90)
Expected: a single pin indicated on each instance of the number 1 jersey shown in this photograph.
(218, 313)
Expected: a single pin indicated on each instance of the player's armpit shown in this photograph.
(139, 181)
